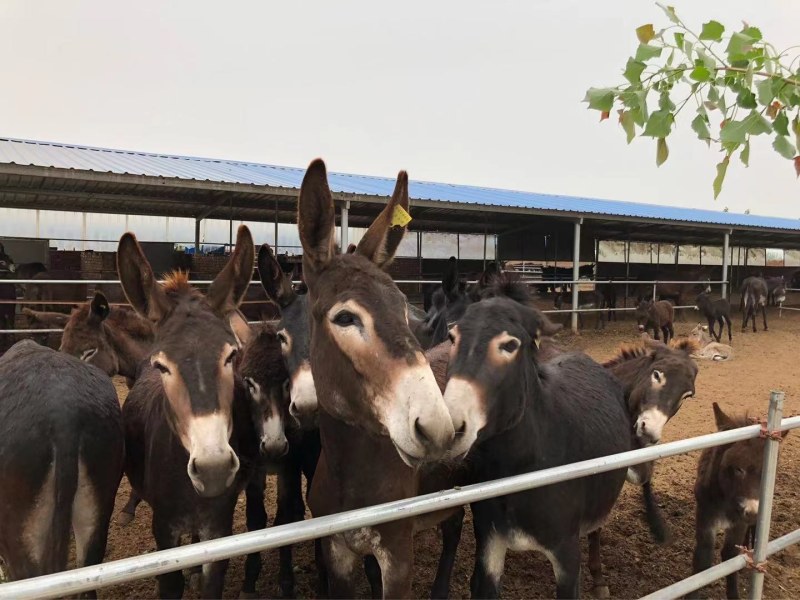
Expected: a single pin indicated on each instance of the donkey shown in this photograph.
(715, 311)
(446, 305)
(726, 490)
(381, 413)
(61, 455)
(708, 349)
(776, 290)
(180, 414)
(656, 316)
(511, 412)
(754, 296)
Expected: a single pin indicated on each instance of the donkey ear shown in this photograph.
(724, 422)
(381, 240)
(240, 327)
(351, 249)
(275, 283)
(230, 285)
(315, 218)
(99, 308)
(537, 324)
(137, 279)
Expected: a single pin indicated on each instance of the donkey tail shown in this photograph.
(65, 484)
(655, 520)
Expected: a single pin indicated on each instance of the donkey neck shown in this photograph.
(130, 349)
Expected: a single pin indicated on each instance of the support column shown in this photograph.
(576, 258)
(726, 241)
(275, 246)
(197, 237)
(345, 241)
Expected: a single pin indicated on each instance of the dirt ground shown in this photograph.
(633, 564)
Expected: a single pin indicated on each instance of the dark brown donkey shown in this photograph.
(61, 453)
(517, 415)
(727, 490)
(179, 416)
(754, 296)
(656, 316)
(381, 413)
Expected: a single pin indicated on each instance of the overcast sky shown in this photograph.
(484, 93)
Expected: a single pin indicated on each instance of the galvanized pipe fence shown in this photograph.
(94, 577)
(575, 311)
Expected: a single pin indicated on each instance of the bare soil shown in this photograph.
(633, 564)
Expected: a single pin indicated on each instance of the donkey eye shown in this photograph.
(88, 354)
(231, 356)
(345, 318)
(282, 339)
(510, 346)
(658, 376)
(162, 367)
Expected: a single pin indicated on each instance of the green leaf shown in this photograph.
(665, 102)
(781, 123)
(645, 33)
(679, 40)
(753, 32)
(662, 152)
(601, 99)
(700, 127)
(757, 124)
(645, 52)
(746, 99)
(722, 168)
(712, 30)
(708, 61)
(628, 124)
(713, 94)
(739, 45)
(670, 12)
(641, 117)
(745, 155)
(765, 93)
(736, 132)
(659, 124)
(633, 70)
(783, 146)
(700, 73)
(688, 47)
(796, 129)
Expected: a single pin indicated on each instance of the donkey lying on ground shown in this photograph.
(656, 316)
(715, 311)
(727, 490)
(180, 414)
(61, 453)
(513, 412)
(707, 348)
(754, 296)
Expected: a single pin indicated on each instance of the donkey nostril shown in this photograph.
(293, 409)
(420, 433)
(193, 467)
(462, 429)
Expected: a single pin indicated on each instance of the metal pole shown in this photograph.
(345, 240)
(726, 241)
(766, 494)
(484, 247)
(576, 258)
(275, 245)
(197, 236)
(627, 253)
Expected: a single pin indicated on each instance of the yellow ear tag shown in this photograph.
(400, 217)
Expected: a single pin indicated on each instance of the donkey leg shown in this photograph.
(704, 544)
(395, 555)
(256, 516)
(764, 314)
(730, 335)
(322, 571)
(451, 536)
(170, 585)
(671, 329)
(734, 536)
(490, 559)
(340, 566)
(566, 561)
(290, 510)
(373, 572)
(128, 513)
(214, 573)
(596, 566)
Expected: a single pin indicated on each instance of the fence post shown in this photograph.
(576, 273)
(766, 493)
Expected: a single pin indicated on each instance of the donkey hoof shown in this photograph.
(125, 518)
(601, 591)
(195, 582)
(248, 595)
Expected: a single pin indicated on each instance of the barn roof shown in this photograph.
(50, 175)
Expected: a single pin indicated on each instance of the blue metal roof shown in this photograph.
(104, 160)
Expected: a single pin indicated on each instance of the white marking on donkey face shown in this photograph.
(749, 507)
(303, 393)
(465, 401)
(210, 451)
(650, 425)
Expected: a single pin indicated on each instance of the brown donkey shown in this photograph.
(381, 412)
(179, 416)
(726, 491)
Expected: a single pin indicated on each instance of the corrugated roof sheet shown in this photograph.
(69, 156)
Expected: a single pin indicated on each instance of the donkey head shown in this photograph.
(194, 350)
(643, 313)
(740, 467)
(264, 373)
(492, 366)
(368, 367)
(657, 379)
(83, 335)
(293, 334)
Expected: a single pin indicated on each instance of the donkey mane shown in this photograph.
(628, 352)
(176, 283)
(688, 345)
(508, 285)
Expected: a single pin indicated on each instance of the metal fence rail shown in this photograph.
(165, 561)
